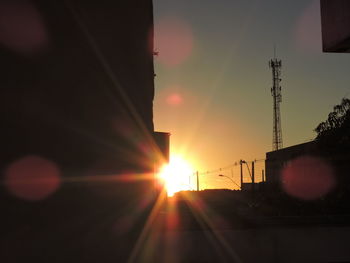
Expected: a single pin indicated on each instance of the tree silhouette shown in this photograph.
(336, 129)
(333, 140)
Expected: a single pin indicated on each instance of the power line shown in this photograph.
(226, 167)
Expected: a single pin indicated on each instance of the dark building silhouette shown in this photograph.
(311, 168)
(80, 92)
(335, 17)
(277, 160)
(77, 88)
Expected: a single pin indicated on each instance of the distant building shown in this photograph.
(277, 160)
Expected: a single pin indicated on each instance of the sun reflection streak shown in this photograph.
(162, 228)
(148, 225)
(199, 209)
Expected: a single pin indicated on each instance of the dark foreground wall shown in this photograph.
(335, 17)
(76, 147)
(76, 82)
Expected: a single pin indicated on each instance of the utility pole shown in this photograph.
(241, 162)
(197, 180)
(253, 176)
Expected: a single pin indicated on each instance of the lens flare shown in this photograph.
(308, 178)
(174, 99)
(176, 175)
(22, 28)
(32, 178)
(308, 28)
(173, 40)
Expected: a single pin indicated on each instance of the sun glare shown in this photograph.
(177, 175)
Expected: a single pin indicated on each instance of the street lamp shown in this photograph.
(241, 162)
(221, 175)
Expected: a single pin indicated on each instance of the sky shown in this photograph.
(213, 81)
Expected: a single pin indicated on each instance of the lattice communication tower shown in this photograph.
(276, 65)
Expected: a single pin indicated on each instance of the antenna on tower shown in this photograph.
(276, 65)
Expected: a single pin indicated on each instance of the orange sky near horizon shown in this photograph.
(213, 81)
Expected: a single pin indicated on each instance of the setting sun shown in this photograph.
(177, 175)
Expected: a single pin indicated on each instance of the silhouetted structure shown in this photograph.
(77, 87)
(335, 17)
(162, 156)
(253, 186)
(276, 64)
(80, 93)
(277, 160)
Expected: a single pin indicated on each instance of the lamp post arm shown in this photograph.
(221, 175)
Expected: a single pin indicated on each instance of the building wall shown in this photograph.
(335, 17)
(77, 84)
(76, 136)
(276, 160)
